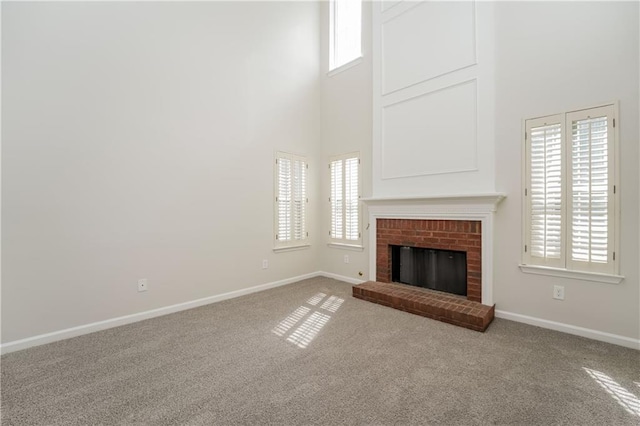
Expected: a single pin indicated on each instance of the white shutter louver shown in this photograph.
(590, 209)
(335, 169)
(291, 199)
(284, 199)
(589, 183)
(299, 199)
(545, 170)
(351, 199)
(345, 198)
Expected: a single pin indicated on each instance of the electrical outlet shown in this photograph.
(558, 292)
(265, 263)
(143, 284)
(346, 258)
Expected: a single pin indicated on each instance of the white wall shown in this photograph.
(124, 125)
(346, 127)
(433, 98)
(138, 141)
(578, 55)
(532, 59)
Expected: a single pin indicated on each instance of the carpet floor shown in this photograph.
(309, 353)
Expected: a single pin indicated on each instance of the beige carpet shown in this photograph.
(308, 353)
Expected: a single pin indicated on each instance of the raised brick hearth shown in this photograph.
(459, 235)
(428, 303)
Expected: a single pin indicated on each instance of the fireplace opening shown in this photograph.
(442, 270)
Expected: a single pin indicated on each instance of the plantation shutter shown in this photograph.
(570, 191)
(335, 169)
(284, 199)
(590, 190)
(344, 198)
(351, 199)
(291, 199)
(544, 191)
(299, 199)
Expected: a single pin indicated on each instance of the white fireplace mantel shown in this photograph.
(459, 203)
(480, 207)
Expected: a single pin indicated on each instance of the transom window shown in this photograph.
(345, 32)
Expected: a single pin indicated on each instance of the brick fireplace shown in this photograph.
(458, 235)
(459, 223)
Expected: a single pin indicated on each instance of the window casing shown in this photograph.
(290, 200)
(345, 31)
(344, 199)
(571, 191)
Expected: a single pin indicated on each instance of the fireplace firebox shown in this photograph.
(442, 270)
(455, 235)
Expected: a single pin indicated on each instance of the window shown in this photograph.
(570, 191)
(345, 32)
(345, 199)
(291, 200)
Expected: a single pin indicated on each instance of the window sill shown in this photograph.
(291, 248)
(576, 275)
(354, 247)
(344, 67)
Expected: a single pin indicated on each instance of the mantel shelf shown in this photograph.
(489, 199)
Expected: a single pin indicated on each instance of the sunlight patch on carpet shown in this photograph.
(303, 334)
(316, 299)
(291, 320)
(626, 399)
(332, 304)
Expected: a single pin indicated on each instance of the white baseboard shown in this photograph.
(340, 277)
(572, 329)
(128, 319)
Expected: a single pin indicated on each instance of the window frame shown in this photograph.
(343, 242)
(566, 267)
(291, 243)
